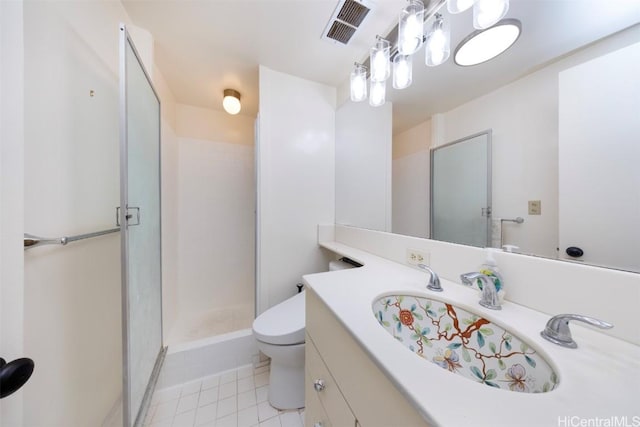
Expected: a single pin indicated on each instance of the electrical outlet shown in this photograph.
(415, 257)
(535, 207)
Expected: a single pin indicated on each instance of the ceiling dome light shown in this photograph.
(411, 28)
(358, 83)
(457, 6)
(488, 12)
(231, 101)
(483, 45)
(437, 46)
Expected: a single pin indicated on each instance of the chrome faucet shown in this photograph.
(489, 292)
(557, 330)
(434, 281)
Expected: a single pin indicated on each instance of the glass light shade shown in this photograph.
(488, 12)
(402, 71)
(438, 43)
(411, 28)
(358, 83)
(481, 46)
(231, 101)
(377, 93)
(457, 6)
(379, 61)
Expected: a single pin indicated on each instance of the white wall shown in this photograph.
(524, 118)
(296, 176)
(216, 210)
(11, 198)
(410, 180)
(598, 157)
(71, 181)
(363, 165)
(169, 200)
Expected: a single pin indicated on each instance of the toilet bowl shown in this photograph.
(279, 332)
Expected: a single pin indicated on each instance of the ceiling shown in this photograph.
(205, 46)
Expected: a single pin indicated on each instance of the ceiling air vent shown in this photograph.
(346, 19)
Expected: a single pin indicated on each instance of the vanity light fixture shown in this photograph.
(379, 60)
(437, 44)
(231, 101)
(377, 93)
(358, 83)
(488, 12)
(411, 28)
(483, 45)
(493, 36)
(402, 71)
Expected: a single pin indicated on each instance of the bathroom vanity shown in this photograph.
(343, 386)
(361, 372)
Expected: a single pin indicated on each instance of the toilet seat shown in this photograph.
(282, 324)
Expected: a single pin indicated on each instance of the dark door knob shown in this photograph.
(14, 374)
(574, 252)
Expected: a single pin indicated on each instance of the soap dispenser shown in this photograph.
(490, 268)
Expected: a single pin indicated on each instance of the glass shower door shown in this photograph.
(461, 191)
(139, 218)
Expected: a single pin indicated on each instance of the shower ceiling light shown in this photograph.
(231, 101)
(483, 45)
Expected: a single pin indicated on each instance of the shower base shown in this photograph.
(208, 343)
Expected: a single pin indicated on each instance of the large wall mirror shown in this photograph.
(563, 105)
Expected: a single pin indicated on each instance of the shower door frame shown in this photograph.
(125, 39)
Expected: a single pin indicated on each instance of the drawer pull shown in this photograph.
(319, 386)
(318, 424)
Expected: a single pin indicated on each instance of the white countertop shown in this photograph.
(598, 380)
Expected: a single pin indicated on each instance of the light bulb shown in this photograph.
(358, 82)
(231, 101)
(402, 71)
(411, 28)
(438, 43)
(488, 12)
(377, 93)
(380, 66)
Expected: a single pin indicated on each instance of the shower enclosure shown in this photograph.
(139, 219)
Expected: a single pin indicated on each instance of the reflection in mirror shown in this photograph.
(461, 191)
(564, 143)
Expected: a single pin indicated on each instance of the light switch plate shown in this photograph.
(535, 207)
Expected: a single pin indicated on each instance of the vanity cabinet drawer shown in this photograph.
(370, 395)
(314, 414)
(320, 384)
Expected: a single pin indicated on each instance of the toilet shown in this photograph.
(279, 332)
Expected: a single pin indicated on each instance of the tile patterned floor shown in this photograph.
(236, 398)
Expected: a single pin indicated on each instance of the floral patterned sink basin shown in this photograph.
(464, 343)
